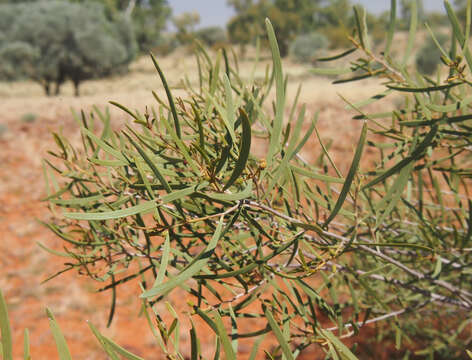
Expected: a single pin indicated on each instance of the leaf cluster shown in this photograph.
(281, 244)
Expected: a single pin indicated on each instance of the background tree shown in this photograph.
(290, 18)
(246, 26)
(185, 24)
(333, 19)
(64, 41)
(428, 57)
(240, 6)
(212, 36)
(307, 47)
(148, 17)
(461, 6)
(406, 11)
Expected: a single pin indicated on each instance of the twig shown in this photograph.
(434, 296)
(379, 318)
(463, 294)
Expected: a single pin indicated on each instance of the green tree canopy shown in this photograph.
(185, 24)
(63, 41)
(212, 36)
(148, 17)
(289, 17)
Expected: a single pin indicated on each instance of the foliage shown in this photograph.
(406, 9)
(167, 44)
(338, 37)
(290, 18)
(53, 41)
(240, 5)
(462, 11)
(148, 18)
(246, 26)
(212, 36)
(18, 58)
(428, 184)
(429, 56)
(305, 48)
(185, 24)
(28, 117)
(280, 244)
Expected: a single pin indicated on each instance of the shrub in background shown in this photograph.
(17, 60)
(28, 118)
(148, 18)
(54, 41)
(428, 57)
(278, 244)
(337, 37)
(185, 24)
(166, 45)
(307, 47)
(212, 36)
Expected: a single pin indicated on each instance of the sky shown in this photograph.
(216, 12)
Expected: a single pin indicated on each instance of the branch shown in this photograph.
(379, 318)
(463, 294)
(130, 8)
(434, 296)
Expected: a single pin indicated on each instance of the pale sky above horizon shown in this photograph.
(217, 12)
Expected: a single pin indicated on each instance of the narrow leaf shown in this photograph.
(62, 348)
(120, 350)
(350, 176)
(142, 208)
(274, 145)
(244, 150)
(221, 332)
(278, 334)
(7, 346)
(26, 346)
(169, 97)
(195, 266)
(391, 25)
(340, 347)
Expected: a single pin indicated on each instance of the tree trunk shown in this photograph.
(58, 89)
(242, 51)
(76, 88)
(59, 81)
(130, 8)
(283, 47)
(47, 88)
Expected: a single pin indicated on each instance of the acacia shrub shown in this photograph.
(279, 244)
